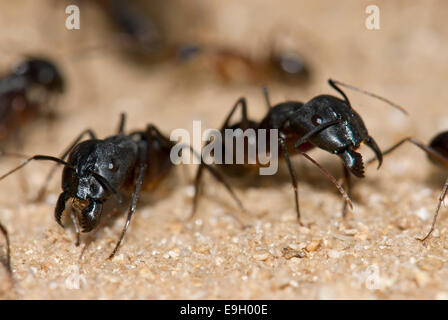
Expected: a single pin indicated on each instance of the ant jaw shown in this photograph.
(353, 161)
(372, 145)
(90, 215)
(60, 208)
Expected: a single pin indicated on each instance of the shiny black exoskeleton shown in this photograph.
(437, 151)
(325, 122)
(24, 90)
(342, 138)
(100, 170)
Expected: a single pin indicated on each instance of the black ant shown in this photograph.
(325, 122)
(437, 152)
(233, 66)
(99, 170)
(18, 101)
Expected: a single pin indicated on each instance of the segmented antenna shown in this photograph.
(373, 95)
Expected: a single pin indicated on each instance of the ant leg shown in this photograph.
(266, 97)
(138, 185)
(244, 119)
(197, 180)
(93, 234)
(218, 177)
(75, 224)
(43, 188)
(441, 197)
(347, 185)
(122, 123)
(292, 175)
(330, 177)
(391, 149)
(430, 151)
(7, 262)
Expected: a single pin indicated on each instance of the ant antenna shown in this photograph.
(36, 157)
(334, 84)
(98, 177)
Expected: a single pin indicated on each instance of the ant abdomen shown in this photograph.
(440, 144)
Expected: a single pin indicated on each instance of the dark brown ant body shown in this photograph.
(437, 151)
(97, 171)
(325, 122)
(18, 101)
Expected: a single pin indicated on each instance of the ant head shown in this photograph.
(41, 72)
(342, 138)
(98, 168)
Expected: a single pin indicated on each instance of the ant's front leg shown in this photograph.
(244, 119)
(292, 175)
(347, 185)
(197, 182)
(434, 220)
(138, 184)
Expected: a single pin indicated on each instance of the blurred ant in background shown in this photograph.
(101, 170)
(233, 66)
(325, 122)
(136, 29)
(24, 93)
(437, 152)
(139, 33)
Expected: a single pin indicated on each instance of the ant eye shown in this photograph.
(113, 166)
(316, 120)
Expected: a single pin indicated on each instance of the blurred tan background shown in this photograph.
(372, 255)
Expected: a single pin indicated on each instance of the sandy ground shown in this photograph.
(372, 255)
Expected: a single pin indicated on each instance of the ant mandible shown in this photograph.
(99, 170)
(18, 105)
(437, 151)
(325, 122)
